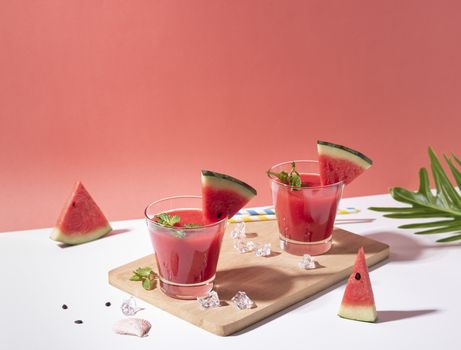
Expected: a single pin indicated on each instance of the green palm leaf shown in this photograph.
(445, 203)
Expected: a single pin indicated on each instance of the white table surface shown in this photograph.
(417, 293)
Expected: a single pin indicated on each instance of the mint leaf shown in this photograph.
(146, 284)
(163, 218)
(282, 176)
(135, 278)
(174, 220)
(167, 220)
(179, 233)
(146, 276)
(192, 225)
(143, 271)
(293, 178)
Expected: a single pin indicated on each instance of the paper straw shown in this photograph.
(257, 211)
(268, 213)
(249, 218)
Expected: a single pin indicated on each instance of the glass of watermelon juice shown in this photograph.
(306, 214)
(187, 253)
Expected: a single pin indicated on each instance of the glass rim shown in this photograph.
(179, 227)
(310, 161)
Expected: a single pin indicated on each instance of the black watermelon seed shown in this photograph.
(64, 306)
(108, 304)
(78, 321)
(219, 215)
(357, 276)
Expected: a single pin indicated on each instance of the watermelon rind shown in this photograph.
(62, 237)
(342, 152)
(81, 220)
(358, 313)
(222, 181)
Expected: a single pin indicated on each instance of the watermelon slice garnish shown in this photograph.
(223, 195)
(358, 300)
(340, 163)
(81, 220)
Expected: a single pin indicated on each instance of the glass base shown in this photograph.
(301, 248)
(186, 291)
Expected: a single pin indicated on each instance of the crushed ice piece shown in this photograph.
(209, 301)
(251, 245)
(307, 262)
(132, 326)
(264, 250)
(129, 307)
(242, 301)
(244, 246)
(239, 231)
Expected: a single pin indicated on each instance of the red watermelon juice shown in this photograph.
(187, 253)
(306, 214)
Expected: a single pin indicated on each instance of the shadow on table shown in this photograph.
(396, 315)
(286, 310)
(353, 221)
(406, 247)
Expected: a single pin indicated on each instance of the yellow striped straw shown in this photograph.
(249, 218)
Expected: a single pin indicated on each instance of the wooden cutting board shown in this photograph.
(274, 282)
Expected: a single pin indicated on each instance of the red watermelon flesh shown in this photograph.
(223, 196)
(333, 170)
(81, 219)
(358, 301)
(218, 204)
(340, 163)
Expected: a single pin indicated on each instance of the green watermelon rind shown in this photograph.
(77, 238)
(222, 181)
(339, 151)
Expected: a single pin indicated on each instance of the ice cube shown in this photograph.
(239, 231)
(251, 245)
(209, 301)
(244, 246)
(265, 250)
(242, 301)
(129, 307)
(307, 262)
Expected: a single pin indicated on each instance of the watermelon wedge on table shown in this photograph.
(223, 195)
(358, 300)
(81, 219)
(340, 163)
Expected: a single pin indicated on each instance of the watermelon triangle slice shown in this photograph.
(81, 220)
(340, 163)
(223, 195)
(358, 300)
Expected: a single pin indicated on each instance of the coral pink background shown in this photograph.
(135, 97)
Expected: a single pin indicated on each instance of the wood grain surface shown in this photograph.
(274, 282)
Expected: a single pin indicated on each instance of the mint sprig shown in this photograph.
(167, 220)
(292, 178)
(146, 276)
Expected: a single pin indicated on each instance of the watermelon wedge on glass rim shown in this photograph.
(81, 219)
(340, 163)
(223, 195)
(358, 301)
